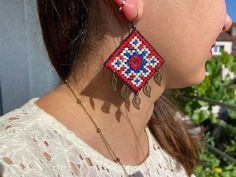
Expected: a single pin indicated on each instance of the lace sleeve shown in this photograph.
(12, 147)
(7, 134)
(7, 171)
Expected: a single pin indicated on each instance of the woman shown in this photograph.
(89, 127)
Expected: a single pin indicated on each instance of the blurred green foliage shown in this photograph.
(219, 88)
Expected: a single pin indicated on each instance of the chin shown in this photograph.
(200, 77)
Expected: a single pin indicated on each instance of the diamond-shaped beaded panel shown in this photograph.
(134, 61)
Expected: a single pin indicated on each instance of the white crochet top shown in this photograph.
(34, 144)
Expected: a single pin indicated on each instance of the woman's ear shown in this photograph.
(132, 9)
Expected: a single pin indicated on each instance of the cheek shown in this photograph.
(183, 36)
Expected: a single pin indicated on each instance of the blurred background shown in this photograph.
(25, 72)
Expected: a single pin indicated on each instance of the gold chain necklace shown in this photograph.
(116, 159)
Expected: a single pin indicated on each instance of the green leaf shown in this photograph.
(203, 115)
(213, 119)
(204, 86)
(203, 103)
(232, 114)
(232, 67)
(226, 58)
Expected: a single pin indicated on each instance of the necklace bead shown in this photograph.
(117, 160)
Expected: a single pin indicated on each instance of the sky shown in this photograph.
(231, 8)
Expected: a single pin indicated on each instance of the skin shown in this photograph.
(182, 31)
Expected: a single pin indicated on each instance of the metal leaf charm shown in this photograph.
(114, 82)
(157, 78)
(136, 101)
(124, 91)
(147, 90)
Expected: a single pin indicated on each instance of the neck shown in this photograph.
(121, 123)
(105, 105)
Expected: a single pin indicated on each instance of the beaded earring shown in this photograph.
(135, 62)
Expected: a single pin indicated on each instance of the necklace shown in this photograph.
(116, 159)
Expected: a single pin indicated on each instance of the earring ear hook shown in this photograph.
(134, 21)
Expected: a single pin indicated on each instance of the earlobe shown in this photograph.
(132, 9)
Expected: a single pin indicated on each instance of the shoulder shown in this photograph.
(15, 122)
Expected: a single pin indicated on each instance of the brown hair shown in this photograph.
(65, 29)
